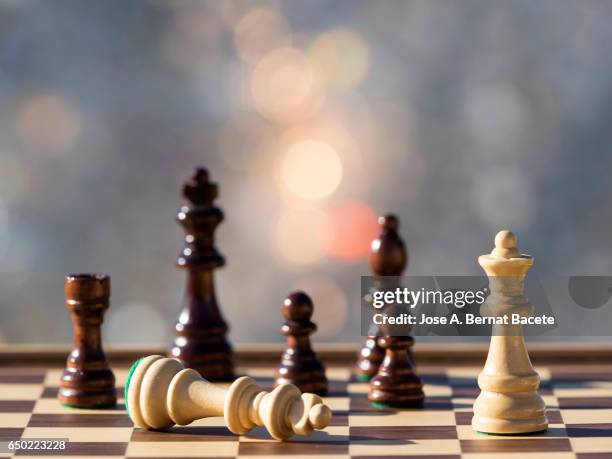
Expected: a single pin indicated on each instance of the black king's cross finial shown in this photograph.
(199, 190)
(200, 217)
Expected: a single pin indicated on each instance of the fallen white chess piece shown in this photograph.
(160, 393)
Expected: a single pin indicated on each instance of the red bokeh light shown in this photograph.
(354, 225)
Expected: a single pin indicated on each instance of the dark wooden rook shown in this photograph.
(87, 380)
(388, 257)
(299, 363)
(200, 332)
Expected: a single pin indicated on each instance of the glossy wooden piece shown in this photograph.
(201, 332)
(396, 383)
(388, 257)
(87, 380)
(300, 365)
(161, 393)
(509, 402)
(369, 359)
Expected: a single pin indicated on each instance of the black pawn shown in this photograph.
(396, 384)
(300, 365)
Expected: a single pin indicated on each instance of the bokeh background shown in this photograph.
(462, 117)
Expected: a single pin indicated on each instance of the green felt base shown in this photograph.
(363, 378)
(127, 385)
(490, 434)
(399, 405)
(96, 407)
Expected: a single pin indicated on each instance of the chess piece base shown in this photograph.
(509, 426)
(103, 406)
(382, 399)
(512, 413)
(390, 392)
(416, 403)
(89, 389)
(304, 371)
(396, 384)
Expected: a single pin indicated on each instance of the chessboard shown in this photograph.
(578, 397)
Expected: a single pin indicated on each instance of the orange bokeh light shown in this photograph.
(260, 31)
(354, 226)
(285, 88)
(48, 123)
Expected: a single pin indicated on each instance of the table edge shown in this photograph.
(331, 353)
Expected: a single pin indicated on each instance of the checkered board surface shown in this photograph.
(579, 401)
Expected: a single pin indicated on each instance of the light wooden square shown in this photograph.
(337, 403)
(328, 435)
(556, 455)
(52, 377)
(71, 457)
(53, 406)
(15, 420)
(583, 392)
(554, 431)
(403, 418)
(407, 448)
(578, 416)
(294, 456)
(209, 422)
(81, 434)
(338, 373)
(182, 449)
(464, 372)
(358, 388)
(258, 372)
(20, 391)
(590, 445)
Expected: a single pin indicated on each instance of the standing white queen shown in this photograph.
(509, 402)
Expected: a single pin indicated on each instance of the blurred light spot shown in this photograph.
(47, 124)
(354, 225)
(503, 197)
(330, 304)
(311, 170)
(302, 236)
(232, 11)
(120, 326)
(341, 56)
(260, 31)
(284, 86)
(346, 137)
